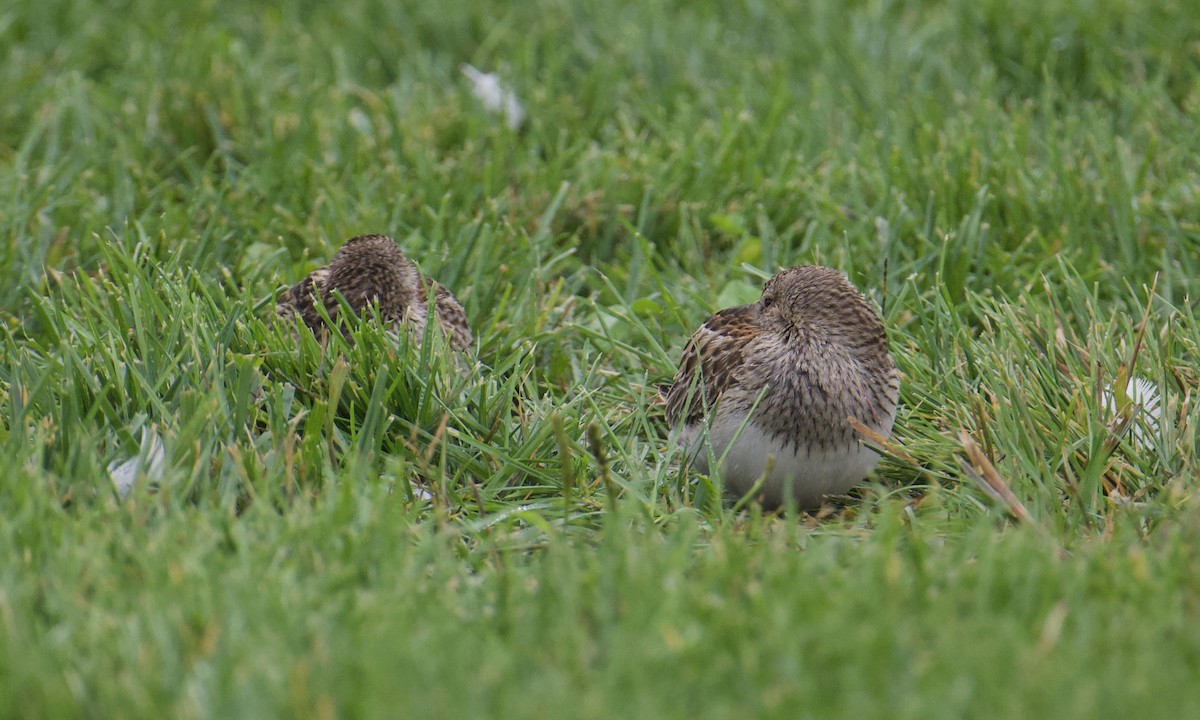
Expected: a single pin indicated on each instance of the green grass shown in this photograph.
(369, 531)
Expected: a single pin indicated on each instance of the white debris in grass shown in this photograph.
(361, 122)
(1147, 408)
(148, 462)
(419, 492)
(495, 96)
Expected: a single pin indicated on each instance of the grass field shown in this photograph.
(370, 532)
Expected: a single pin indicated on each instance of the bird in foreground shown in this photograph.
(776, 381)
(373, 268)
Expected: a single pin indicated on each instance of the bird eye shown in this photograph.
(766, 301)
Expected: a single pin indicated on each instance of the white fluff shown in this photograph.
(495, 97)
(1147, 401)
(149, 461)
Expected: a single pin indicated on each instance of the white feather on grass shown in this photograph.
(1147, 401)
(495, 96)
(148, 462)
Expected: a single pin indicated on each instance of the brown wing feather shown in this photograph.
(298, 299)
(715, 354)
(450, 315)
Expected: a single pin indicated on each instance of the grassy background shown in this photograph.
(372, 533)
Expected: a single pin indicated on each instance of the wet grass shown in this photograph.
(371, 528)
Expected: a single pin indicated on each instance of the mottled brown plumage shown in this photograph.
(373, 268)
(782, 376)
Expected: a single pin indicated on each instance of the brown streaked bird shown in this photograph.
(373, 268)
(811, 353)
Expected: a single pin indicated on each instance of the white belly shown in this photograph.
(810, 475)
